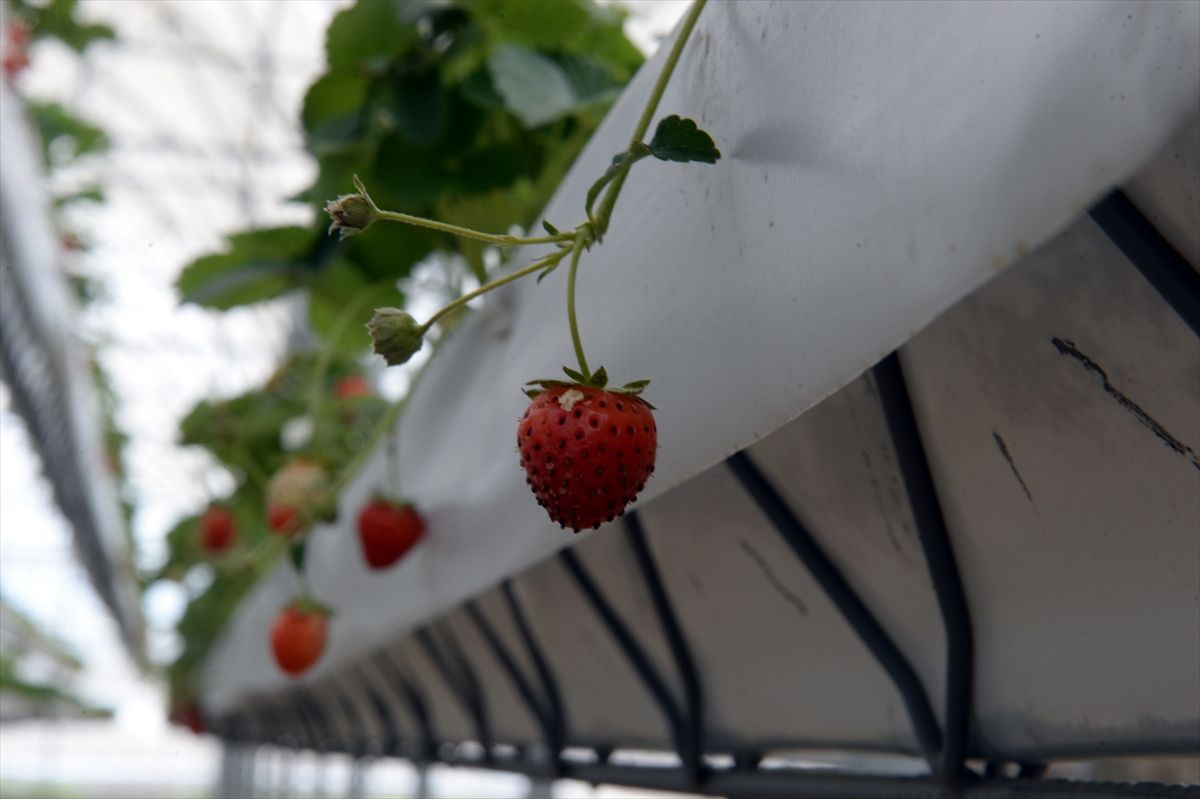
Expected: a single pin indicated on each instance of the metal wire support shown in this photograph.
(460, 677)
(693, 693)
(390, 745)
(356, 744)
(549, 682)
(413, 698)
(827, 575)
(939, 556)
(538, 705)
(268, 722)
(308, 705)
(632, 650)
(1160, 263)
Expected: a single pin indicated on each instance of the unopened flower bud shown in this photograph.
(351, 213)
(397, 335)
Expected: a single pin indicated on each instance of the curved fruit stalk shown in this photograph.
(298, 635)
(387, 531)
(587, 452)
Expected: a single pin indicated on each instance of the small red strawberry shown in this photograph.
(352, 387)
(295, 494)
(218, 529)
(189, 715)
(298, 635)
(587, 452)
(17, 38)
(387, 531)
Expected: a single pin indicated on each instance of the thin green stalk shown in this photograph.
(549, 260)
(614, 189)
(246, 462)
(576, 251)
(316, 385)
(382, 428)
(467, 233)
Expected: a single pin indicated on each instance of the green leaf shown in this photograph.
(55, 122)
(680, 140)
(417, 109)
(406, 176)
(589, 77)
(258, 266)
(549, 228)
(478, 89)
(544, 24)
(337, 94)
(636, 386)
(364, 33)
(576, 376)
(535, 89)
(599, 378)
(57, 19)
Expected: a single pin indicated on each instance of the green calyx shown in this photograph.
(309, 607)
(597, 379)
(396, 335)
(352, 213)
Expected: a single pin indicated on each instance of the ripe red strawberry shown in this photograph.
(18, 37)
(189, 715)
(587, 452)
(218, 528)
(298, 635)
(352, 387)
(295, 494)
(388, 530)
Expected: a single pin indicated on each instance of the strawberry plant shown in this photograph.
(575, 492)
(434, 106)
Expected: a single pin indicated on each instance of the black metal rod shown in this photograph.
(939, 556)
(458, 675)
(1160, 263)
(298, 721)
(356, 743)
(632, 649)
(532, 700)
(320, 721)
(267, 723)
(682, 654)
(842, 595)
(414, 699)
(390, 745)
(549, 683)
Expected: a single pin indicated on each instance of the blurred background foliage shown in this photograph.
(469, 113)
(466, 112)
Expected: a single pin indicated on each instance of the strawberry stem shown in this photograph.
(550, 261)
(491, 238)
(610, 196)
(580, 241)
(316, 387)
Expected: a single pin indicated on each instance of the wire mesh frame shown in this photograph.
(945, 747)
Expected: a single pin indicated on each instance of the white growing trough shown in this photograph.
(911, 178)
